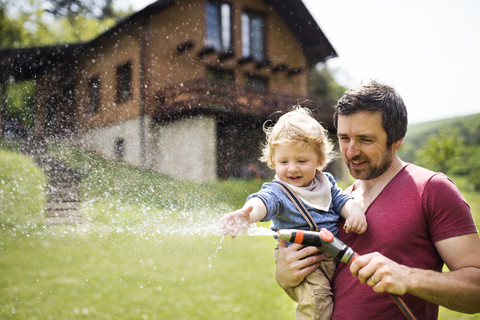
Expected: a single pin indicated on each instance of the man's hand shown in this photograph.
(295, 262)
(381, 273)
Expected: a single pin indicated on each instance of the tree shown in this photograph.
(20, 101)
(98, 9)
(323, 84)
(440, 151)
(473, 163)
(10, 29)
(48, 22)
(32, 23)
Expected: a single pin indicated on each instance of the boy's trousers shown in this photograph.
(314, 294)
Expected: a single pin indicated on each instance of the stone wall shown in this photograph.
(105, 141)
(183, 149)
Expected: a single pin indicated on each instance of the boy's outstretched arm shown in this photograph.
(237, 221)
(354, 216)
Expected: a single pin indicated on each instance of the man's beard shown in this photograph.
(371, 172)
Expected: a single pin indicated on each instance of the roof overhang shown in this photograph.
(26, 63)
(315, 44)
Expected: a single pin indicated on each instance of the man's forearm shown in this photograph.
(458, 290)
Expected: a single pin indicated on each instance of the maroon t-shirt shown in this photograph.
(415, 210)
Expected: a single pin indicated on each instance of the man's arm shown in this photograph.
(458, 289)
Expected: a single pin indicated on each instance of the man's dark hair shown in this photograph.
(374, 96)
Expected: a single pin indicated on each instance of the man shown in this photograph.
(417, 221)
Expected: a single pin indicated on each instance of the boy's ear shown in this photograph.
(320, 161)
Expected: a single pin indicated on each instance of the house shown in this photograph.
(182, 87)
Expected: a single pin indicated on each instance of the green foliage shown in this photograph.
(31, 24)
(450, 145)
(22, 190)
(323, 84)
(99, 9)
(468, 127)
(80, 28)
(21, 100)
(440, 151)
(10, 29)
(470, 166)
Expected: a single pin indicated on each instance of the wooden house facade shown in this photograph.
(182, 87)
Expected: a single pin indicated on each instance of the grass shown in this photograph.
(69, 276)
(149, 251)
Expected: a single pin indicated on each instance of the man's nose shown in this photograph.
(352, 150)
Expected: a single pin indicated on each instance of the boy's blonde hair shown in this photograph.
(297, 126)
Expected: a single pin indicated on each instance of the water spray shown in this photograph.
(326, 242)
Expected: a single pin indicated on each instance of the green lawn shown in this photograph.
(150, 250)
(67, 274)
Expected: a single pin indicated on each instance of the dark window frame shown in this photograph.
(253, 43)
(124, 81)
(221, 74)
(120, 148)
(255, 82)
(94, 94)
(219, 36)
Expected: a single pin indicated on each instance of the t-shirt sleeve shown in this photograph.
(339, 197)
(270, 200)
(448, 213)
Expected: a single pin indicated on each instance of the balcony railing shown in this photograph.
(220, 97)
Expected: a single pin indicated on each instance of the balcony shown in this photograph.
(227, 99)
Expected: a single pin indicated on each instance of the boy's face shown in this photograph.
(296, 164)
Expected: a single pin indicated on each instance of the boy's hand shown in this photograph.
(356, 223)
(235, 222)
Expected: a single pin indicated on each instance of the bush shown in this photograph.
(474, 178)
(22, 190)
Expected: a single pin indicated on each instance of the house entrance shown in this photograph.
(239, 148)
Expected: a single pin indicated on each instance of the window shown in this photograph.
(220, 74)
(51, 112)
(94, 94)
(219, 26)
(253, 35)
(255, 83)
(119, 148)
(223, 79)
(124, 82)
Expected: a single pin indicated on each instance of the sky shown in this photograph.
(428, 50)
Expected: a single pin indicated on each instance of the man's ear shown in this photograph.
(397, 144)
